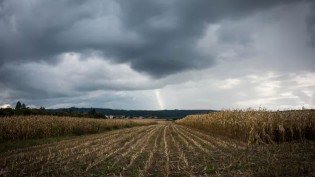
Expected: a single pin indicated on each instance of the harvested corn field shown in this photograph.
(159, 150)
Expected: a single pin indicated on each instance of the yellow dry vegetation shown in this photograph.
(27, 127)
(256, 126)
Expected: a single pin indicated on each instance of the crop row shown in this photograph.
(256, 126)
(29, 127)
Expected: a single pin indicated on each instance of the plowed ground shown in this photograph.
(159, 150)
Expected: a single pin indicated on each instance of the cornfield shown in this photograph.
(28, 127)
(256, 126)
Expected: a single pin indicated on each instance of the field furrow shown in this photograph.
(134, 161)
(63, 145)
(221, 142)
(124, 160)
(121, 146)
(192, 141)
(208, 145)
(46, 159)
(166, 153)
(151, 153)
(179, 163)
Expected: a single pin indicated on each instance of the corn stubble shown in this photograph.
(158, 150)
(256, 126)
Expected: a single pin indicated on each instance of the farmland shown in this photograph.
(163, 149)
(30, 127)
(256, 126)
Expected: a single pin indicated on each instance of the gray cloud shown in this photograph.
(310, 21)
(63, 52)
(72, 76)
(155, 37)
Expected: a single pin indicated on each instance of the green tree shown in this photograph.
(92, 112)
(23, 106)
(18, 105)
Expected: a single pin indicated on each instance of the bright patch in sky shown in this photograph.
(159, 99)
(5, 106)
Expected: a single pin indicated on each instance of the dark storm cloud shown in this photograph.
(21, 82)
(310, 21)
(171, 30)
(154, 37)
(29, 28)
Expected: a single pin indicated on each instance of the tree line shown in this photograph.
(22, 110)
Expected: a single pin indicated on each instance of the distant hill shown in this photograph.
(165, 114)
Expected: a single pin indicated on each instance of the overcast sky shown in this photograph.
(158, 54)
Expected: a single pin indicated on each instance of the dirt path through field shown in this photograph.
(157, 150)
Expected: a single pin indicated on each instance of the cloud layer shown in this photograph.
(57, 53)
(155, 37)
